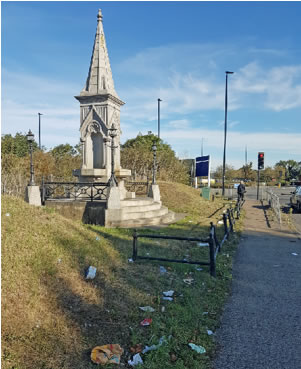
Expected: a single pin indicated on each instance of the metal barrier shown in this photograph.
(140, 188)
(79, 191)
(212, 240)
(273, 201)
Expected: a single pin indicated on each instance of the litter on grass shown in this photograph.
(294, 253)
(201, 244)
(162, 340)
(198, 269)
(220, 222)
(162, 270)
(97, 238)
(149, 309)
(188, 281)
(167, 298)
(7, 214)
(205, 313)
(168, 293)
(136, 348)
(209, 332)
(91, 272)
(198, 349)
(107, 354)
(136, 360)
(130, 260)
(146, 322)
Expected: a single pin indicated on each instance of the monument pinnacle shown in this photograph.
(100, 80)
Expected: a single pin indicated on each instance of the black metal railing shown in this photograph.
(140, 188)
(229, 218)
(79, 191)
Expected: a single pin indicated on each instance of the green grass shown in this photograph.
(52, 317)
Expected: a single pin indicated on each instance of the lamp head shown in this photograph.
(227, 72)
(30, 136)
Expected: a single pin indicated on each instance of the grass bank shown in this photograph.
(52, 316)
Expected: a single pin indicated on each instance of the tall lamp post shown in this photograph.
(113, 134)
(225, 134)
(154, 148)
(30, 139)
(40, 130)
(159, 100)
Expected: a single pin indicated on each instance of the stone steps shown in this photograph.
(144, 214)
(140, 222)
(152, 206)
(142, 201)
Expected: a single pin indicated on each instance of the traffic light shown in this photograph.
(260, 160)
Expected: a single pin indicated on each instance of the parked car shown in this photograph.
(296, 199)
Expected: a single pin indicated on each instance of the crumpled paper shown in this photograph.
(107, 354)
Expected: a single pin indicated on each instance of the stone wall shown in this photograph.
(87, 212)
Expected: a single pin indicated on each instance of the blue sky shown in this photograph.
(176, 51)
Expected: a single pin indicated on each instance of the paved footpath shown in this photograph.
(261, 323)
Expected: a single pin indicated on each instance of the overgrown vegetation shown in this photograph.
(137, 155)
(52, 316)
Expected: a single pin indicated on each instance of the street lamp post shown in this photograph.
(30, 139)
(159, 100)
(154, 148)
(113, 134)
(225, 134)
(40, 130)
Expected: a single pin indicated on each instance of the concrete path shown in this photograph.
(261, 323)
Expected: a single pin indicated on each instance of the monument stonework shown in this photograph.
(99, 111)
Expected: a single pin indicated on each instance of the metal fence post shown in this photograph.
(212, 256)
(230, 220)
(135, 241)
(225, 223)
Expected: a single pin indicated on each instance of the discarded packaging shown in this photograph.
(162, 270)
(168, 293)
(146, 322)
(107, 354)
(147, 308)
(163, 309)
(199, 269)
(91, 272)
(167, 298)
(136, 348)
(188, 281)
(97, 238)
(294, 253)
(130, 260)
(136, 360)
(201, 244)
(155, 347)
(220, 222)
(198, 349)
(7, 214)
(209, 332)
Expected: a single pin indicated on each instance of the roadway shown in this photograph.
(284, 194)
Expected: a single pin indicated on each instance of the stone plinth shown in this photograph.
(33, 195)
(154, 193)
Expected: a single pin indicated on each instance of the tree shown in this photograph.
(229, 172)
(137, 155)
(292, 168)
(17, 145)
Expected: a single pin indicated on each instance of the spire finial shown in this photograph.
(99, 15)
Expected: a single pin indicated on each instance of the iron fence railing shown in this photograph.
(139, 187)
(273, 201)
(229, 218)
(79, 191)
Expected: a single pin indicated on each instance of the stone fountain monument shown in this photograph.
(99, 111)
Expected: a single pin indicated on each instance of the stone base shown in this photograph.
(114, 198)
(154, 193)
(33, 195)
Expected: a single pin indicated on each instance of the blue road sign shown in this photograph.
(202, 166)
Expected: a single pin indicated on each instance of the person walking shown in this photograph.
(241, 189)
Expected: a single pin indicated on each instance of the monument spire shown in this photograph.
(100, 80)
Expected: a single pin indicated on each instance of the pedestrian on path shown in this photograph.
(241, 189)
